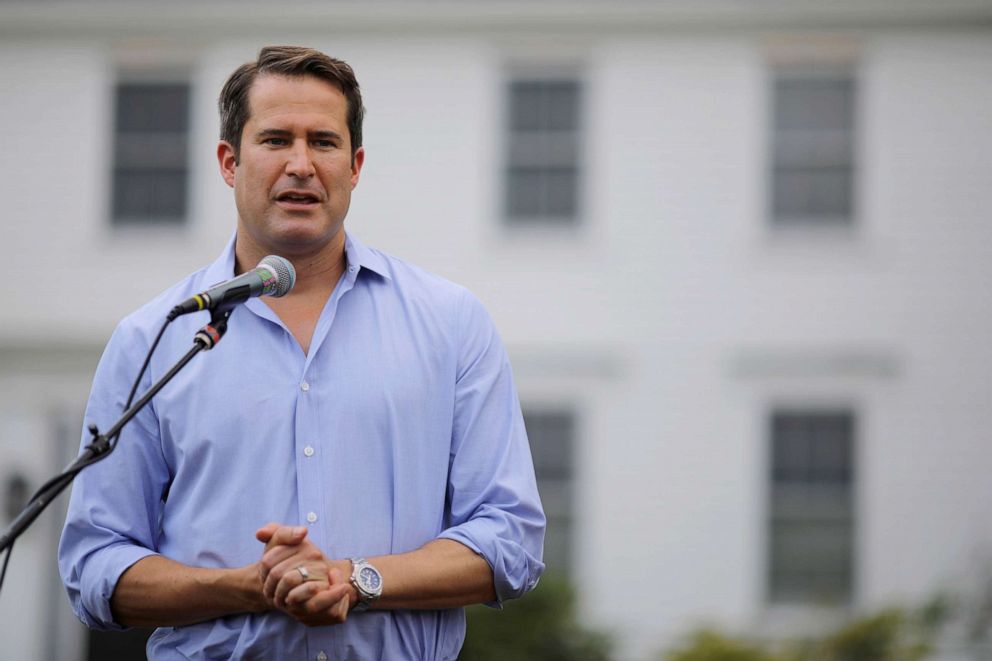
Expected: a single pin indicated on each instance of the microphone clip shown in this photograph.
(211, 333)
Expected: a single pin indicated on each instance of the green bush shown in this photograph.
(541, 626)
(890, 635)
(709, 645)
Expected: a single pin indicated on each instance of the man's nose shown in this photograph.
(300, 163)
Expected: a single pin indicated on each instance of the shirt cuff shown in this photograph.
(98, 581)
(515, 571)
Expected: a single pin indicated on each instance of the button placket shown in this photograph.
(308, 497)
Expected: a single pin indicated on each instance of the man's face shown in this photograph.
(293, 182)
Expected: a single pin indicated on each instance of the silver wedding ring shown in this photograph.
(304, 573)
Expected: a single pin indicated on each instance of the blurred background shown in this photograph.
(740, 253)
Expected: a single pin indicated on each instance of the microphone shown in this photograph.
(274, 276)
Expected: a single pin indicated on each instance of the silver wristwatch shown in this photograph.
(367, 581)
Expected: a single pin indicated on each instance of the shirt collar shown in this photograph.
(357, 254)
(360, 256)
(222, 269)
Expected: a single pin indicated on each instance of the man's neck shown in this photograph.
(317, 272)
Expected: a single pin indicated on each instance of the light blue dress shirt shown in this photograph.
(402, 425)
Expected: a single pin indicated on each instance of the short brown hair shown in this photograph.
(287, 61)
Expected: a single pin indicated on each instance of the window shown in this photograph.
(552, 439)
(813, 145)
(150, 153)
(811, 540)
(543, 151)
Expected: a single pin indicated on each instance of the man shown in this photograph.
(347, 468)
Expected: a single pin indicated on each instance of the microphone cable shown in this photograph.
(69, 475)
(277, 281)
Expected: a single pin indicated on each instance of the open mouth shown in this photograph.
(297, 198)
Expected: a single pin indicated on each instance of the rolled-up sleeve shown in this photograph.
(115, 507)
(494, 503)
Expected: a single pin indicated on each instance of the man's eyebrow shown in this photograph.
(322, 134)
(272, 133)
(326, 135)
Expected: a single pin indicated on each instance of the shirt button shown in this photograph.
(311, 517)
(351, 269)
(321, 656)
(304, 386)
(308, 451)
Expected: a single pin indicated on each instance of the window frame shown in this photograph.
(813, 491)
(833, 68)
(573, 140)
(118, 220)
(564, 477)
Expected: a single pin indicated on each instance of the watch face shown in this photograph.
(370, 579)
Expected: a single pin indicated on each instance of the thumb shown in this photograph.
(264, 534)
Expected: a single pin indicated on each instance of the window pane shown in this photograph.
(556, 494)
(548, 193)
(543, 145)
(811, 507)
(152, 107)
(798, 148)
(814, 103)
(560, 192)
(551, 436)
(811, 502)
(812, 563)
(813, 148)
(557, 546)
(544, 105)
(552, 440)
(150, 153)
(807, 194)
(154, 196)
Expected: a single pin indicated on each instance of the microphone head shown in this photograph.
(285, 275)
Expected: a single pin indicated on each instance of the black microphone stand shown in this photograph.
(102, 444)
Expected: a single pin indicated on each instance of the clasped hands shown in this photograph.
(298, 579)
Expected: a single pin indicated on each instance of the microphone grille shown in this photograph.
(285, 273)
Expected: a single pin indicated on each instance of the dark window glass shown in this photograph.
(542, 172)
(150, 153)
(811, 540)
(552, 443)
(813, 149)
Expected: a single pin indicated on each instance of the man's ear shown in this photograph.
(227, 161)
(356, 166)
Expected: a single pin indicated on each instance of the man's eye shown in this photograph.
(276, 142)
(323, 144)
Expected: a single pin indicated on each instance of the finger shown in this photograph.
(323, 601)
(276, 553)
(286, 570)
(264, 534)
(299, 595)
(280, 554)
(339, 611)
(286, 536)
(337, 580)
(272, 559)
(293, 579)
(289, 582)
(316, 612)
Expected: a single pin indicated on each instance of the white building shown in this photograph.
(740, 252)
